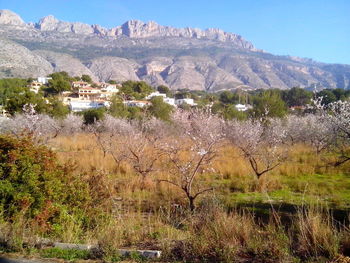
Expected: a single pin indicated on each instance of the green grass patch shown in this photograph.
(66, 254)
(332, 190)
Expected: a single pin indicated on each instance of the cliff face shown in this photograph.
(190, 58)
(7, 17)
(139, 29)
(50, 23)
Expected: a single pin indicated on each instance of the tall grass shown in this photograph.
(218, 236)
(316, 234)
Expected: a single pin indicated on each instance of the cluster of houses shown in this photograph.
(85, 96)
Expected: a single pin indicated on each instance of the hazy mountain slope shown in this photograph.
(65, 62)
(120, 69)
(178, 57)
(17, 60)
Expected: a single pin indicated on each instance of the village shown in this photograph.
(58, 94)
(85, 96)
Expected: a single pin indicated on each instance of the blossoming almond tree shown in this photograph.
(339, 116)
(131, 141)
(109, 133)
(191, 150)
(141, 144)
(295, 129)
(258, 143)
(72, 124)
(40, 127)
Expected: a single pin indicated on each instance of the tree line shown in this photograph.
(14, 94)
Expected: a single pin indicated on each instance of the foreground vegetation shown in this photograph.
(197, 187)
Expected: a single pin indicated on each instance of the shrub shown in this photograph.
(160, 109)
(93, 115)
(33, 183)
(30, 176)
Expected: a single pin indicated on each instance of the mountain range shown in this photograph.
(181, 58)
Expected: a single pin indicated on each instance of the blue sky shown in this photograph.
(318, 29)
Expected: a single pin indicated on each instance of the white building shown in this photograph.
(77, 106)
(80, 84)
(106, 87)
(155, 94)
(89, 93)
(43, 80)
(170, 101)
(242, 107)
(35, 86)
(108, 90)
(137, 103)
(185, 101)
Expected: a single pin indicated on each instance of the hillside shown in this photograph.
(181, 58)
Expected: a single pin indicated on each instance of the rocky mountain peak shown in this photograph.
(137, 28)
(8, 17)
(51, 23)
(47, 23)
(131, 28)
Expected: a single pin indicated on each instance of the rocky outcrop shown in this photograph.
(50, 23)
(99, 30)
(139, 29)
(8, 17)
(81, 28)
